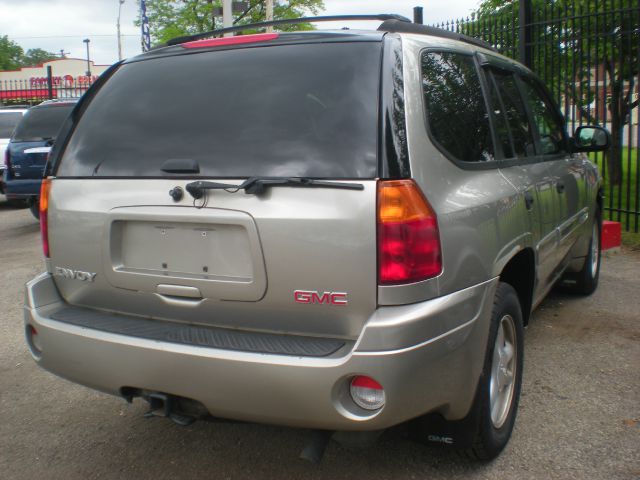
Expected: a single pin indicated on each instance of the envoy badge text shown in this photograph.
(74, 274)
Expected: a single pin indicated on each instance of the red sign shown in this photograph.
(38, 93)
(65, 81)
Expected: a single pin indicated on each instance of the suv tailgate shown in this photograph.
(235, 263)
(229, 259)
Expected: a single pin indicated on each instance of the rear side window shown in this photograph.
(516, 114)
(289, 110)
(41, 123)
(456, 111)
(503, 134)
(8, 122)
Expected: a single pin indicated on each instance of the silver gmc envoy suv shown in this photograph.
(338, 230)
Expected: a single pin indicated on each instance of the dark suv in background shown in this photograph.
(28, 149)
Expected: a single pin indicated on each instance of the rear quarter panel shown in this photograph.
(481, 218)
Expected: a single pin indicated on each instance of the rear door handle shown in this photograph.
(179, 291)
(179, 295)
(180, 301)
(560, 187)
(528, 200)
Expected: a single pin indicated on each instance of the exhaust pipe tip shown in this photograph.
(314, 451)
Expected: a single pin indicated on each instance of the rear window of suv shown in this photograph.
(8, 122)
(290, 110)
(41, 123)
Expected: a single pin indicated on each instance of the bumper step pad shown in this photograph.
(209, 337)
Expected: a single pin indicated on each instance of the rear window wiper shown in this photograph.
(257, 185)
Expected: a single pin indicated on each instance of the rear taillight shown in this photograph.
(408, 237)
(45, 188)
(7, 159)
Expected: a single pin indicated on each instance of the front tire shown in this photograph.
(585, 282)
(501, 380)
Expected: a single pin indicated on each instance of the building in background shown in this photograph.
(598, 88)
(31, 84)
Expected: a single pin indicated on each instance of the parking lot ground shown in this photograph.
(579, 415)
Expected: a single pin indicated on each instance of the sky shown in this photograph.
(62, 24)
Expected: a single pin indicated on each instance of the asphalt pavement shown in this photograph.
(579, 414)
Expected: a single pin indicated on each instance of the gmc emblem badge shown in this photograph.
(325, 298)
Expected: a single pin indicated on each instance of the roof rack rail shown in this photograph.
(393, 26)
(390, 23)
(288, 21)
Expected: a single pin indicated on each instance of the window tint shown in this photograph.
(41, 123)
(8, 122)
(503, 133)
(519, 126)
(545, 117)
(290, 110)
(456, 111)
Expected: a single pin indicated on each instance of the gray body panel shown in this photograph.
(291, 239)
(482, 215)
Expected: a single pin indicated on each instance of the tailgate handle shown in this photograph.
(179, 291)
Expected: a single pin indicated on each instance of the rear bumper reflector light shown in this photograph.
(367, 393)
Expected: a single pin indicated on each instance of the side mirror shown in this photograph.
(591, 139)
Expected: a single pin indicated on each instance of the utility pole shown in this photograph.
(227, 15)
(524, 32)
(269, 13)
(86, 41)
(120, 2)
(417, 15)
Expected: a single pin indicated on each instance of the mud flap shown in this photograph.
(434, 429)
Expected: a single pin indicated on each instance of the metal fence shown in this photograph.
(38, 89)
(586, 51)
(588, 54)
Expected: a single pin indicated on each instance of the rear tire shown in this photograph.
(501, 380)
(34, 208)
(585, 281)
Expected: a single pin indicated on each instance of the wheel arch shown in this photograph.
(519, 272)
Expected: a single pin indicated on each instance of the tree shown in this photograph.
(37, 56)
(174, 18)
(570, 40)
(10, 54)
